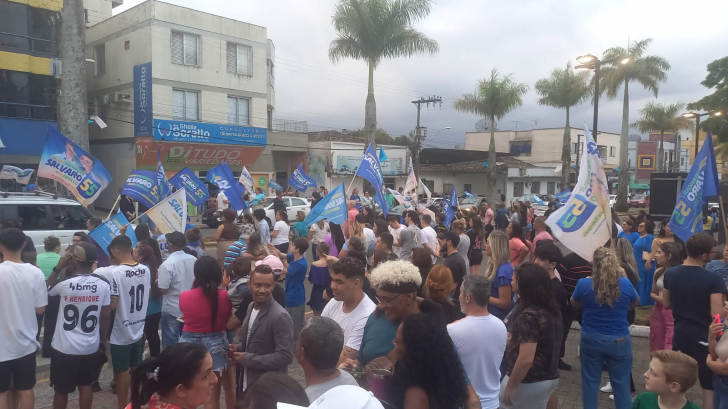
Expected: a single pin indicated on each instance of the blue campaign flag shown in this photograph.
(143, 115)
(142, 186)
(331, 207)
(449, 208)
(222, 177)
(274, 185)
(195, 188)
(371, 170)
(382, 155)
(164, 189)
(702, 181)
(300, 180)
(110, 229)
(468, 194)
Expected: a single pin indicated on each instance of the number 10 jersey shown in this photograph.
(77, 326)
(131, 283)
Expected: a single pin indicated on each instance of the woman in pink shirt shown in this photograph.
(539, 227)
(518, 244)
(206, 310)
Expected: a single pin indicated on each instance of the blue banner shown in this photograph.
(198, 132)
(702, 181)
(142, 186)
(371, 170)
(143, 118)
(300, 180)
(382, 156)
(74, 168)
(196, 190)
(331, 207)
(449, 208)
(164, 188)
(222, 177)
(274, 185)
(110, 229)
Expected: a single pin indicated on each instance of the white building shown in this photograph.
(195, 86)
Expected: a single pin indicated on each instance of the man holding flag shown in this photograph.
(371, 170)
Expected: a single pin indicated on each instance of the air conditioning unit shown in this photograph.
(121, 97)
(528, 184)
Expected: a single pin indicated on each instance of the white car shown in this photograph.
(43, 214)
(612, 200)
(293, 205)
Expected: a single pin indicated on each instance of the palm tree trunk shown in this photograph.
(370, 110)
(623, 190)
(491, 162)
(566, 153)
(661, 153)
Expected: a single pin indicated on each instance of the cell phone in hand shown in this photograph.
(353, 371)
(717, 319)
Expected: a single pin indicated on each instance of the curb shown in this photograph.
(639, 331)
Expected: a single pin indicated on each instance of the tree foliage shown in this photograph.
(658, 117)
(717, 80)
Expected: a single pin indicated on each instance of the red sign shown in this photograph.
(195, 156)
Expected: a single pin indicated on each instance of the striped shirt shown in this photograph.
(235, 250)
(572, 269)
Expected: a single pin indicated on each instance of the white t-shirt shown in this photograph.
(22, 290)
(429, 236)
(131, 284)
(221, 201)
(253, 316)
(395, 233)
(480, 343)
(370, 236)
(352, 323)
(105, 272)
(163, 248)
(77, 326)
(283, 229)
(176, 275)
(319, 234)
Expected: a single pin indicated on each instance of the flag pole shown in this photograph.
(113, 207)
(350, 184)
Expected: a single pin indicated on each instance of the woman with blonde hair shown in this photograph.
(500, 274)
(438, 287)
(356, 229)
(606, 298)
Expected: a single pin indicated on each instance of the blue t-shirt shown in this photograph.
(719, 267)
(295, 291)
(601, 318)
(357, 199)
(503, 276)
(632, 237)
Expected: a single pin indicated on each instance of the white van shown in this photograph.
(43, 214)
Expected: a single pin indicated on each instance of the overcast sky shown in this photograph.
(528, 38)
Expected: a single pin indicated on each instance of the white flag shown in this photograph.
(246, 180)
(170, 214)
(21, 176)
(584, 223)
(427, 191)
(410, 187)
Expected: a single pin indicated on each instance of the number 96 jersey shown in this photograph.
(131, 284)
(77, 326)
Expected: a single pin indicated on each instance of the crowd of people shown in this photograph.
(406, 313)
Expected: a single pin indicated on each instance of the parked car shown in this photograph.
(293, 204)
(471, 203)
(640, 201)
(399, 210)
(612, 200)
(534, 199)
(43, 214)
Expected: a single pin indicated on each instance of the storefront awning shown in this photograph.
(643, 186)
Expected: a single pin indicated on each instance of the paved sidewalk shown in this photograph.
(569, 386)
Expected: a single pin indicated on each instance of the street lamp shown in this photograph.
(424, 145)
(590, 61)
(697, 124)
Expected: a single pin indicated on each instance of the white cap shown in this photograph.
(348, 396)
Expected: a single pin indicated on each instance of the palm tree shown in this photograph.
(657, 117)
(372, 30)
(648, 71)
(564, 88)
(494, 98)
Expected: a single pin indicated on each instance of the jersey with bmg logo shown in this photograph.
(77, 326)
(131, 283)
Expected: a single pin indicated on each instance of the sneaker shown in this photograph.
(611, 397)
(564, 366)
(607, 388)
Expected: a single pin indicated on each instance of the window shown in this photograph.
(26, 95)
(69, 217)
(185, 105)
(517, 189)
(32, 217)
(185, 49)
(612, 151)
(85, 15)
(238, 111)
(389, 183)
(550, 188)
(535, 187)
(127, 44)
(100, 58)
(239, 59)
(468, 188)
(446, 189)
(297, 202)
(574, 147)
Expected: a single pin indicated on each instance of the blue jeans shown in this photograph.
(171, 329)
(616, 351)
(720, 394)
(214, 342)
(144, 219)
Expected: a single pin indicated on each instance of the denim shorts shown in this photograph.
(214, 342)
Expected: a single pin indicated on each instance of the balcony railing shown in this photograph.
(23, 42)
(287, 125)
(27, 111)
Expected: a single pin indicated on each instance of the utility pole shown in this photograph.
(73, 99)
(418, 131)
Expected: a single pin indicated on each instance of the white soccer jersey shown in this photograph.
(77, 326)
(131, 283)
